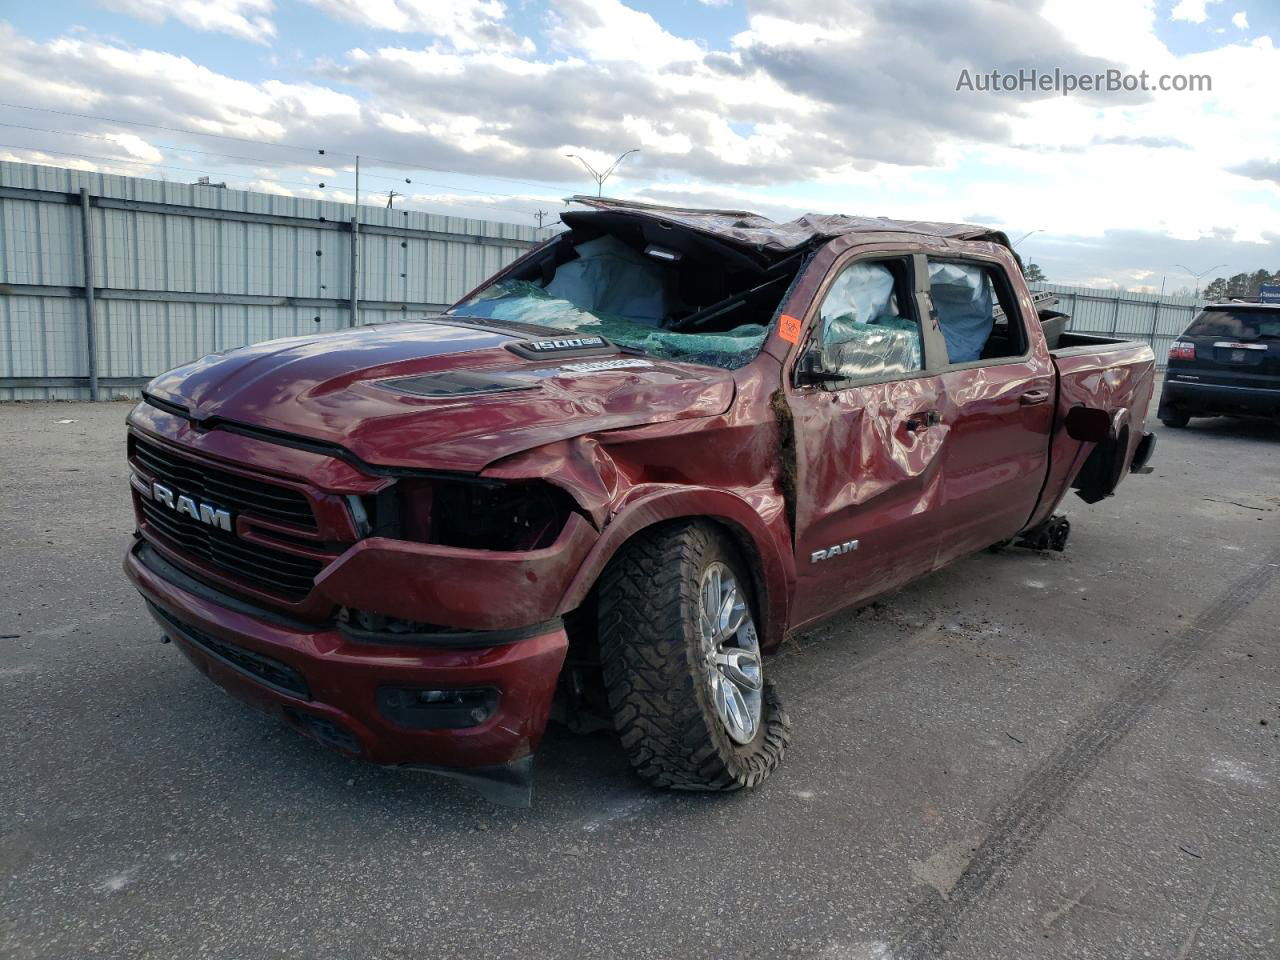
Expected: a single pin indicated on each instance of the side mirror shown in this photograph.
(1088, 424)
(809, 371)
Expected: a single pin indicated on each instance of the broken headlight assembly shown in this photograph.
(473, 513)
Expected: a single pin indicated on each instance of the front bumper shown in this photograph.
(328, 685)
(1181, 396)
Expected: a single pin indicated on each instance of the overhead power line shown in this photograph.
(247, 159)
(144, 163)
(319, 151)
(158, 146)
(195, 172)
(158, 126)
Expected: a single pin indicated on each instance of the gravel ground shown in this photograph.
(1022, 756)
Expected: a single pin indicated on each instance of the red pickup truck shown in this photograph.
(610, 479)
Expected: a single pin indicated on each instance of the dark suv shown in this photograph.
(1227, 363)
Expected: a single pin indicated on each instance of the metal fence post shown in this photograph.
(355, 272)
(91, 332)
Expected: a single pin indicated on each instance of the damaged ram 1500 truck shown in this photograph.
(612, 478)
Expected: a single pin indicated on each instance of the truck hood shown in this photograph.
(441, 394)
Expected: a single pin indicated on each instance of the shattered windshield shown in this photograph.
(525, 302)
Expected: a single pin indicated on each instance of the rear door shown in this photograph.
(868, 439)
(998, 387)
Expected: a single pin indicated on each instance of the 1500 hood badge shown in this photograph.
(562, 347)
(181, 503)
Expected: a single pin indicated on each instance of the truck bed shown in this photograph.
(1068, 344)
(1101, 372)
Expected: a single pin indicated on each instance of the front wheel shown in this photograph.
(682, 664)
(1175, 419)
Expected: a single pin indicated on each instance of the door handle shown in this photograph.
(1032, 397)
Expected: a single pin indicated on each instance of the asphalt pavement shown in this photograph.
(1022, 756)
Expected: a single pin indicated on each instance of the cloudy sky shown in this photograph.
(779, 106)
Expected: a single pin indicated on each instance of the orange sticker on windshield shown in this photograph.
(789, 328)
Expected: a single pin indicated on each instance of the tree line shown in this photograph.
(1240, 285)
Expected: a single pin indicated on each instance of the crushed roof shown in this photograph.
(753, 230)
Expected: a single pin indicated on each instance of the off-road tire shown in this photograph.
(655, 674)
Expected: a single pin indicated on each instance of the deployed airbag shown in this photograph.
(862, 333)
(962, 297)
(608, 277)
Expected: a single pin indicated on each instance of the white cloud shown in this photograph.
(462, 24)
(247, 19)
(810, 107)
(768, 30)
(151, 86)
(136, 147)
(1241, 20)
(1192, 11)
(609, 30)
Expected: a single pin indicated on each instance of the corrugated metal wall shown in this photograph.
(1137, 316)
(181, 270)
(184, 269)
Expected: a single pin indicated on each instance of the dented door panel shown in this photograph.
(1001, 419)
(868, 470)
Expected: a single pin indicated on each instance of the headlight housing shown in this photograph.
(475, 513)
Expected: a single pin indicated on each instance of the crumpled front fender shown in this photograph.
(765, 546)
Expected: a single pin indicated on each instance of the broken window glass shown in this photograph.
(863, 332)
(523, 301)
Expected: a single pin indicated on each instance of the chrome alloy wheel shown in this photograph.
(732, 652)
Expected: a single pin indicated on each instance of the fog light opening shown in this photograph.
(438, 709)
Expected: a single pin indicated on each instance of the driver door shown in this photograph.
(868, 436)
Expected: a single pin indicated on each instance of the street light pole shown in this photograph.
(1199, 275)
(596, 175)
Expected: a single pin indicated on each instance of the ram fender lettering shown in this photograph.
(840, 548)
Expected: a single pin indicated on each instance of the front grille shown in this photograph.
(278, 571)
(287, 574)
(239, 494)
(266, 670)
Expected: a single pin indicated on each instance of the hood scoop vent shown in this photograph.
(458, 383)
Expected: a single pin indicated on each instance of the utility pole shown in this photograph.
(391, 195)
(540, 214)
(355, 252)
(90, 318)
(596, 175)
